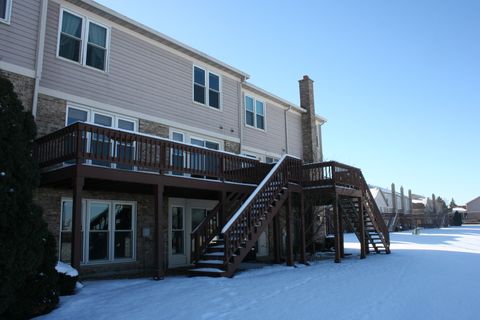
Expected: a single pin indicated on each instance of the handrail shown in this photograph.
(209, 227)
(255, 208)
(337, 174)
(92, 144)
(374, 213)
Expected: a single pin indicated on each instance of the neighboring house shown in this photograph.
(393, 205)
(150, 149)
(473, 210)
(387, 204)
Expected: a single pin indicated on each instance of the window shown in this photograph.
(82, 41)
(202, 83)
(204, 162)
(254, 113)
(5, 9)
(271, 160)
(102, 144)
(110, 231)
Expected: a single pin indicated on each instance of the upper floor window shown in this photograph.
(83, 41)
(5, 9)
(254, 113)
(202, 81)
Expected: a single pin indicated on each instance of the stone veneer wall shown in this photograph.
(50, 201)
(231, 146)
(153, 128)
(23, 86)
(51, 113)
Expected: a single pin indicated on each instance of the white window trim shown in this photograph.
(8, 12)
(111, 231)
(92, 111)
(207, 88)
(255, 113)
(187, 136)
(84, 40)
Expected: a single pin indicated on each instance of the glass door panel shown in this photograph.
(98, 216)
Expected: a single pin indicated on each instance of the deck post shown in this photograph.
(76, 251)
(303, 258)
(276, 238)
(336, 221)
(341, 234)
(363, 240)
(289, 228)
(159, 272)
(223, 211)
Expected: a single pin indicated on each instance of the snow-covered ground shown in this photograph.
(434, 275)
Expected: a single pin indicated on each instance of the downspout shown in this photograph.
(286, 128)
(240, 113)
(40, 52)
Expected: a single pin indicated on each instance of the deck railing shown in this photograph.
(257, 206)
(329, 174)
(84, 143)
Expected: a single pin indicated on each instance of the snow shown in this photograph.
(67, 269)
(254, 194)
(459, 209)
(433, 275)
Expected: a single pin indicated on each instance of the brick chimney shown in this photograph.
(310, 134)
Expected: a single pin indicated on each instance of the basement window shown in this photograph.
(108, 231)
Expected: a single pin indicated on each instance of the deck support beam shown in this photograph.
(159, 272)
(363, 240)
(276, 238)
(76, 251)
(289, 228)
(303, 258)
(337, 222)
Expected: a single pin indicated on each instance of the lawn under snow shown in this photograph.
(434, 275)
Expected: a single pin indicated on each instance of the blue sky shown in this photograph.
(398, 81)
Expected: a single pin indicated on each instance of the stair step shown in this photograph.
(209, 272)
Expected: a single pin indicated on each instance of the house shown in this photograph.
(157, 156)
(473, 211)
(393, 205)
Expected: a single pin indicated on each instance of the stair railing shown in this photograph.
(210, 226)
(374, 213)
(257, 206)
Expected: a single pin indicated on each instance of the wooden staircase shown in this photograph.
(226, 250)
(353, 217)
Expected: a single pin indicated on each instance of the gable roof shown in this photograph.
(473, 200)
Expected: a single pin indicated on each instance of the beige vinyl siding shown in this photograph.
(141, 77)
(295, 143)
(18, 40)
(271, 140)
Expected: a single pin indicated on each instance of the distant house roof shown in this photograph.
(473, 200)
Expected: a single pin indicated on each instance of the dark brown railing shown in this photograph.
(92, 144)
(375, 214)
(329, 174)
(209, 228)
(257, 206)
(337, 174)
